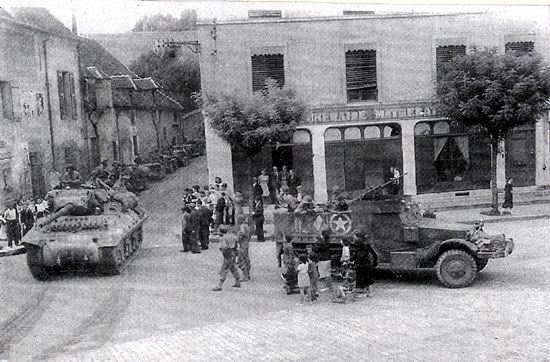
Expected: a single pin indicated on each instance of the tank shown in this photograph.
(94, 228)
(401, 238)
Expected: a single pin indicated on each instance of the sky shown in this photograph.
(115, 16)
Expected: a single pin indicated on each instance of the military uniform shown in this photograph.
(228, 248)
(194, 225)
(185, 231)
(204, 226)
(244, 258)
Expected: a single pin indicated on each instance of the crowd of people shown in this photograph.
(19, 217)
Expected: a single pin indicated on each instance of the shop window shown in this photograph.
(267, 66)
(422, 129)
(372, 132)
(520, 47)
(392, 131)
(301, 136)
(445, 54)
(352, 133)
(333, 134)
(361, 78)
(67, 95)
(441, 128)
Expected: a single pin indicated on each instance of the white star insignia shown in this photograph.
(341, 224)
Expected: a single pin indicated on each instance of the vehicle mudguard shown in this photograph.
(434, 250)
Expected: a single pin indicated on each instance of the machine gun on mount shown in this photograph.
(373, 193)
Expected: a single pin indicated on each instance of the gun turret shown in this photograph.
(67, 209)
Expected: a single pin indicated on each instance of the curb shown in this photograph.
(507, 219)
(10, 252)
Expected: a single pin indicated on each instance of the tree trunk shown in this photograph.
(250, 192)
(494, 189)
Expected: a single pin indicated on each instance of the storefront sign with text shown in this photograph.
(371, 113)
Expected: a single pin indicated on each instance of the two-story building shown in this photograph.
(40, 114)
(369, 83)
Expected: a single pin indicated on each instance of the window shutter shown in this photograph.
(74, 109)
(520, 48)
(16, 103)
(7, 100)
(361, 77)
(61, 93)
(267, 66)
(444, 54)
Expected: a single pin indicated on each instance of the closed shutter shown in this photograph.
(61, 93)
(444, 54)
(74, 109)
(520, 48)
(7, 100)
(267, 66)
(361, 79)
(16, 103)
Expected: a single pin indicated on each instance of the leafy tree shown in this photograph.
(493, 93)
(255, 121)
(161, 22)
(179, 77)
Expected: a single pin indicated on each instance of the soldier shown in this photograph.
(228, 248)
(194, 225)
(204, 224)
(71, 177)
(259, 219)
(243, 237)
(185, 230)
(102, 170)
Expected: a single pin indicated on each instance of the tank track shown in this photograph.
(113, 260)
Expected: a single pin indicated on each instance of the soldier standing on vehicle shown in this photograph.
(228, 248)
(72, 177)
(243, 237)
(102, 170)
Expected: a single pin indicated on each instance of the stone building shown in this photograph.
(126, 114)
(40, 119)
(368, 82)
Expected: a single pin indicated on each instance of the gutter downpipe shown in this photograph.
(48, 99)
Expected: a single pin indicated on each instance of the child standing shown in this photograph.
(312, 271)
(303, 279)
(345, 258)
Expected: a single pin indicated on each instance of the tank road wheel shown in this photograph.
(456, 268)
(35, 261)
(481, 263)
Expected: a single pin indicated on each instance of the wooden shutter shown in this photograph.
(361, 77)
(74, 108)
(7, 100)
(520, 48)
(61, 93)
(267, 66)
(444, 54)
(16, 103)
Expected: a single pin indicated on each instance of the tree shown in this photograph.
(493, 93)
(178, 76)
(161, 22)
(255, 121)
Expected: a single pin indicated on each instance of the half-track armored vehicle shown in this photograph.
(99, 228)
(400, 236)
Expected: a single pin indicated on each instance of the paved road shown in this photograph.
(162, 308)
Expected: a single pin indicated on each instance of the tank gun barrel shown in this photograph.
(56, 215)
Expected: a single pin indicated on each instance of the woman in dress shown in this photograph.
(263, 180)
(508, 197)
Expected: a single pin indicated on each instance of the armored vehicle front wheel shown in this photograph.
(35, 261)
(481, 263)
(456, 268)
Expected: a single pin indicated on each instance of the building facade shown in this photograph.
(40, 120)
(369, 84)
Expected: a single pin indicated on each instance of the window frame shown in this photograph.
(273, 53)
(361, 48)
(66, 91)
